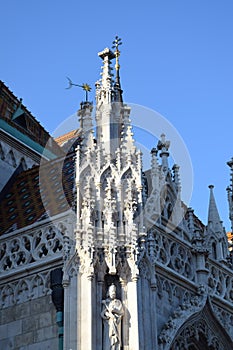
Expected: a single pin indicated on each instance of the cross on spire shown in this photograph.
(116, 43)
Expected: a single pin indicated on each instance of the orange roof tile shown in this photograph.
(66, 137)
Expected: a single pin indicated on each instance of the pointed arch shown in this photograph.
(37, 285)
(22, 291)
(212, 244)
(23, 163)
(202, 331)
(126, 173)
(11, 158)
(105, 174)
(7, 295)
(87, 171)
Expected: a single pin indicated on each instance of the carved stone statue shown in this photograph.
(112, 313)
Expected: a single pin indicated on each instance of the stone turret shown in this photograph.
(215, 232)
(164, 201)
(109, 210)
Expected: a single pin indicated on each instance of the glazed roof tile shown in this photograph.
(66, 137)
(30, 194)
(24, 123)
(27, 140)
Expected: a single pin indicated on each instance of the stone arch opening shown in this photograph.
(202, 331)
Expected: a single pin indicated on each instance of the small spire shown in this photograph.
(163, 146)
(214, 221)
(116, 43)
(107, 55)
(154, 160)
(176, 176)
(215, 228)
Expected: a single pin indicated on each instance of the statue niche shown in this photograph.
(112, 313)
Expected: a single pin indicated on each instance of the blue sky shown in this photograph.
(177, 59)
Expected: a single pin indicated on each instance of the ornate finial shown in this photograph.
(163, 146)
(116, 43)
(85, 87)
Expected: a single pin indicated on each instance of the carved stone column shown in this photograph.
(132, 303)
(99, 297)
(85, 311)
(125, 320)
(153, 314)
(133, 311)
(70, 313)
(201, 252)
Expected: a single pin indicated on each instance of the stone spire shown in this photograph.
(214, 222)
(112, 116)
(104, 87)
(109, 204)
(215, 232)
(108, 113)
(108, 171)
(86, 124)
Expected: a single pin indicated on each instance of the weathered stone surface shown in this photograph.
(45, 333)
(8, 315)
(29, 324)
(7, 344)
(37, 305)
(44, 345)
(24, 339)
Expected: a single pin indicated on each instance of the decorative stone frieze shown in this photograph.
(220, 282)
(27, 248)
(22, 290)
(173, 254)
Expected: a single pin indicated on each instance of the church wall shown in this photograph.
(29, 326)
(27, 312)
(145, 311)
(170, 296)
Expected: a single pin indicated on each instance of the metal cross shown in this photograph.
(116, 43)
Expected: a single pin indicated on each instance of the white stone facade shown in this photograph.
(173, 276)
(156, 252)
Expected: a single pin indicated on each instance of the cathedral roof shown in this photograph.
(28, 141)
(25, 196)
(68, 142)
(61, 140)
(17, 121)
